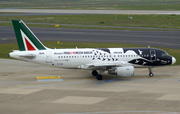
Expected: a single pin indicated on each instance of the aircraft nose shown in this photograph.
(173, 60)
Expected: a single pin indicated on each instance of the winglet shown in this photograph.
(26, 39)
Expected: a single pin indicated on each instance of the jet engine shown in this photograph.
(126, 71)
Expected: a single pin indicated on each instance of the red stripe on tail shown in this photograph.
(29, 46)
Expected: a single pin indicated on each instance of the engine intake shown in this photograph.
(126, 71)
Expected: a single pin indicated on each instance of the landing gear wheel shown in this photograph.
(94, 73)
(151, 74)
(99, 77)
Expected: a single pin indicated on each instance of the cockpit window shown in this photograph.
(164, 54)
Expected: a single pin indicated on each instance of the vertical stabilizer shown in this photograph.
(27, 41)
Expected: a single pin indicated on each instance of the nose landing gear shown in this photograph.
(150, 72)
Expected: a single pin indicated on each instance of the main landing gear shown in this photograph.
(98, 76)
(150, 72)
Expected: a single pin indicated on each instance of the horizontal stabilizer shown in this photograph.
(28, 56)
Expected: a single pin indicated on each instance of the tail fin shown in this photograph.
(27, 41)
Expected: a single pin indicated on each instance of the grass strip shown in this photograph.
(154, 21)
(160, 6)
(89, 27)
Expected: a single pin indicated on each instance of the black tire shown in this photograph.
(151, 74)
(99, 77)
(94, 73)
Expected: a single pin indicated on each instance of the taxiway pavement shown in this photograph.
(169, 39)
(81, 93)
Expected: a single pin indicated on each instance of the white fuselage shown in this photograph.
(77, 58)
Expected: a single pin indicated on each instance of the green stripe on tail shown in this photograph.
(20, 25)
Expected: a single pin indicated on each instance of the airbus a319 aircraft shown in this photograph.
(118, 61)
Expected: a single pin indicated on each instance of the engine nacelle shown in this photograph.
(126, 71)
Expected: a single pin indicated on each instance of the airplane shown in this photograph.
(117, 61)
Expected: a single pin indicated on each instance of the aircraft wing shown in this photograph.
(104, 64)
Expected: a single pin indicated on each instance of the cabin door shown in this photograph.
(152, 55)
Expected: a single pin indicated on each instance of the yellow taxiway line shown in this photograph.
(49, 77)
